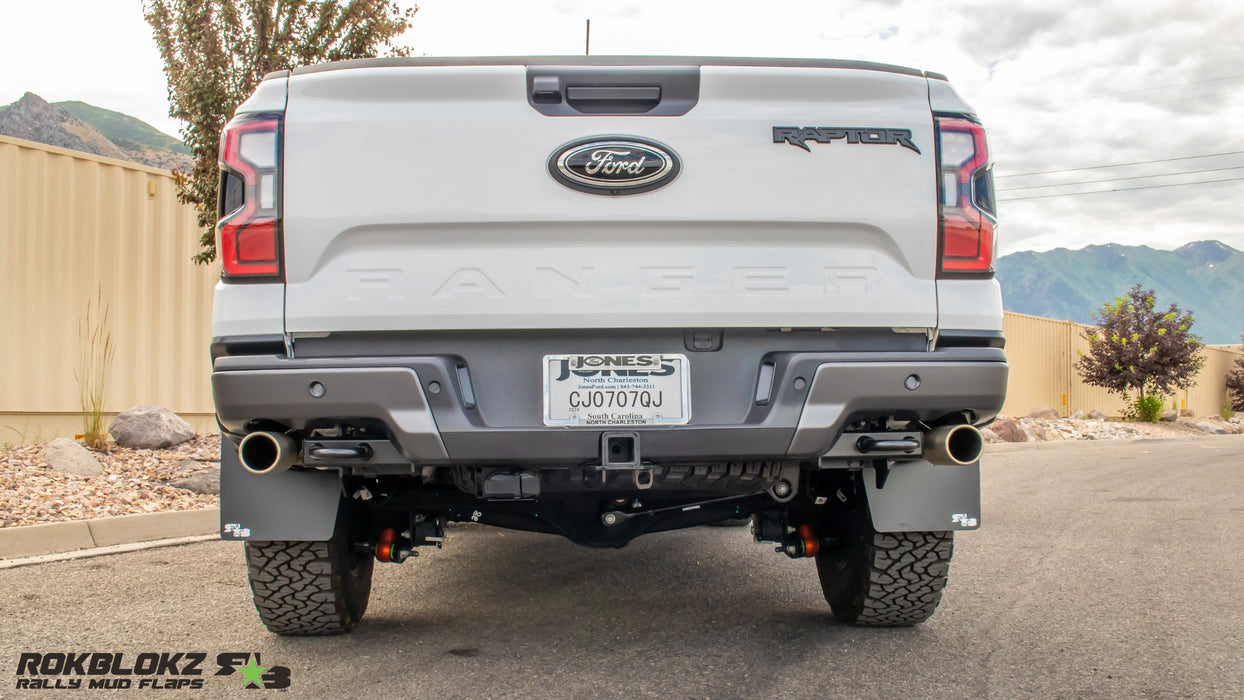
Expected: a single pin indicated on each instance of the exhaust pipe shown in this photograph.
(267, 453)
(953, 444)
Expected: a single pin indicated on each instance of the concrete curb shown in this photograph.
(105, 551)
(1059, 444)
(53, 538)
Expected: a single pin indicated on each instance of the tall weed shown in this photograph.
(96, 354)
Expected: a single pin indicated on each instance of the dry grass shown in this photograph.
(97, 352)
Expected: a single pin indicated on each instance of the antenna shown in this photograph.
(587, 46)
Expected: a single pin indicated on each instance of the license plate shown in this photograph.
(603, 390)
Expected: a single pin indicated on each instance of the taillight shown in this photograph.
(249, 242)
(967, 211)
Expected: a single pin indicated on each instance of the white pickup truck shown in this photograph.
(602, 297)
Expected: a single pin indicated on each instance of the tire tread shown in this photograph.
(301, 588)
(898, 581)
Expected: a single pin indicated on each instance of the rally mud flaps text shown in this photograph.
(150, 670)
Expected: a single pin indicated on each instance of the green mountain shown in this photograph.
(82, 127)
(1206, 277)
(122, 129)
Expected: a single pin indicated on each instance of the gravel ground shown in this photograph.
(135, 481)
(1039, 430)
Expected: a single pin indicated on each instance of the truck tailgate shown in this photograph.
(420, 197)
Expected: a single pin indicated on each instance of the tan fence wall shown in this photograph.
(1042, 354)
(72, 224)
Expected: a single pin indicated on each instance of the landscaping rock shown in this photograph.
(149, 427)
(1044, 413)
(1078, 415)
(1170, 416)
(69, 457)
(1186, 413)
(990, 436)
(204, 482)
(1008, 430)
(1097, 415)
(1035, 432)
(1212, 428)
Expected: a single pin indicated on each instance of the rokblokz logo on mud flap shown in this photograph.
(156, 671)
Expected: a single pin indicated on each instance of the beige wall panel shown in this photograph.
(1207, 397)
(72, 224)
(1036, 350)
(1084, 397)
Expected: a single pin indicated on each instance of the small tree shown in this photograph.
(216, 51)
(1135, 348)
(1235, 385)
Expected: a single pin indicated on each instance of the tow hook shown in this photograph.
(392, 549)
(800, 542)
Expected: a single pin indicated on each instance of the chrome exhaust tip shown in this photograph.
(267, 453)
(954, 444)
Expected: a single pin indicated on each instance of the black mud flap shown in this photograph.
(291, 505)
(919, 496)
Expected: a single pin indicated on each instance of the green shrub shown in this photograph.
(1149, 408)
(1145, 409)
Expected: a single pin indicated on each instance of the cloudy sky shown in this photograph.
(1093, 91)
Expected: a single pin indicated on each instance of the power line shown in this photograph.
(1042, 115)
(1121, 165)
(1193, 97)
(1120, 189)
(1132, 92)
(1117, 179)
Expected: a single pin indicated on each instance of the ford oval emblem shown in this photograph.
(614, 165)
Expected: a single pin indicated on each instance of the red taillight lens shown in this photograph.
(966, 219)
(250, 198)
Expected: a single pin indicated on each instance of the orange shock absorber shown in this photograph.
(810, 544)
(384, 547)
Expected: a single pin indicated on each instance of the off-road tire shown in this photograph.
(309, 588)
(885, 579)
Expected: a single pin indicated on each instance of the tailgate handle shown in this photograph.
(613, 99)
(602, 90)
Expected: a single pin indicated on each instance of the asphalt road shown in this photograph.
(1102, 570)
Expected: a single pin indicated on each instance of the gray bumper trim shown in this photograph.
(391, 394)
(840, 389)
(431, 425)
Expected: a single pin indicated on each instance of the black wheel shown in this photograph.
(310, 588)
(885, 579)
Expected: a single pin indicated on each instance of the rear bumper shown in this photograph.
(433, 419)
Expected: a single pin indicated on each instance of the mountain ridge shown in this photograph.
(127, 132)
(77, 128)
(1206, 277)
